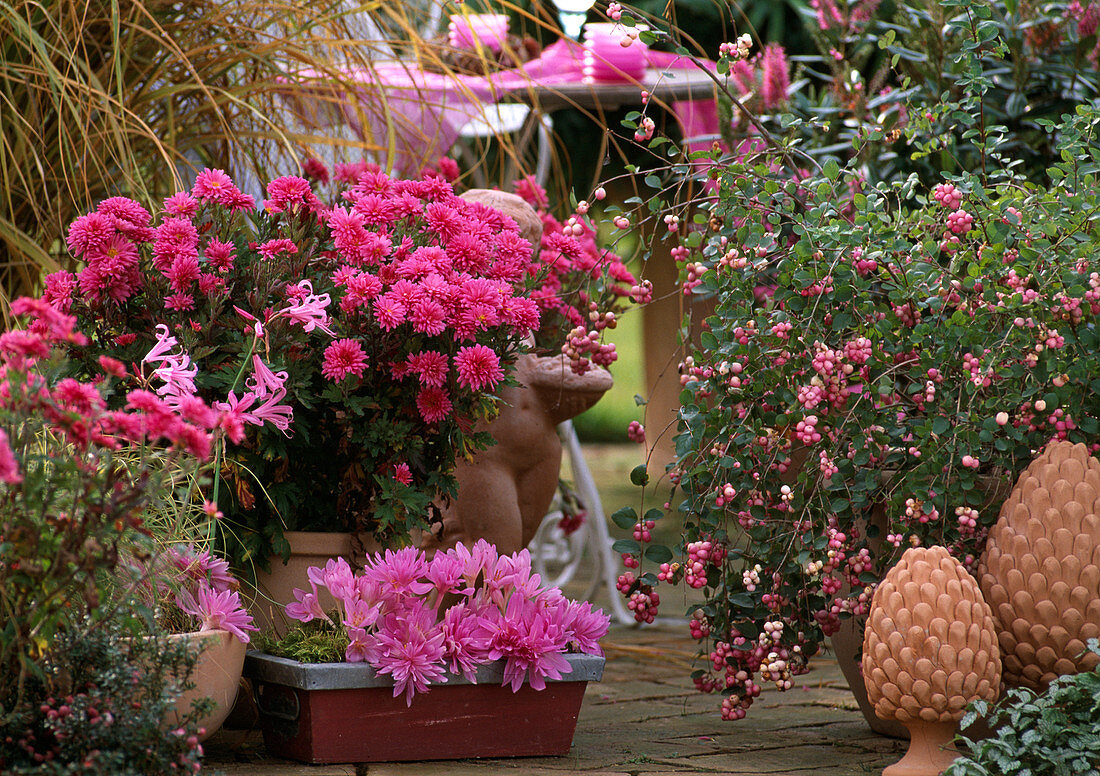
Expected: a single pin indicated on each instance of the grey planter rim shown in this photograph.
(263, 667)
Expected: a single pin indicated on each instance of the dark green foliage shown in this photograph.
(1053, 734)
(100, 707)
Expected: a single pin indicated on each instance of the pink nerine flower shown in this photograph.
(478, 367)
(219, 611)
(309, 310)
(342, 358)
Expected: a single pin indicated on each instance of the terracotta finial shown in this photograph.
(1041, 568)
(929, 649)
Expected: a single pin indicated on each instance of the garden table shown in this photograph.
(420, 114)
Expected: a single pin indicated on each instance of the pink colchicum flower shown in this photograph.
(306, 607)
(395, 618)
(219, 611)
(410, 648)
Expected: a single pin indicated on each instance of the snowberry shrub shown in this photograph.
(874, 360)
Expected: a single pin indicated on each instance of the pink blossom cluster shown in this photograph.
(852, 18)
(208, 592)
(76, 411)
(418, 619)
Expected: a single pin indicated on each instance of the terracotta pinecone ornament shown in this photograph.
(928, 650)
(1041, 568)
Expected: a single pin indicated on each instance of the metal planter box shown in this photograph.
(343, 712)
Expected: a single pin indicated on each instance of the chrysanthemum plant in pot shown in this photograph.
(504, 659)
(349, 348)
(878, 354)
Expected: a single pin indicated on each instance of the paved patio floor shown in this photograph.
(645, 718)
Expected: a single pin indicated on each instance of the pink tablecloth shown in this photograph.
(420, 113)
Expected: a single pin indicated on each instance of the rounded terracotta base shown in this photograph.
(217, 675)
(930, 749)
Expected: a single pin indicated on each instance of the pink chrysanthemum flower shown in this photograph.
(433, 404)
(478, 367)
(183, 272)
(361, 289)
(59, 290)
(402, 473)
(219, 610)
(389, 312)
(428, 317)
(179, 302)
(315, 169)
(273, 248)
(430, 366)
(534, 194)
(220, 254)
(342, 358)
(468, 253)
(89, 233)
(288, 192)
(129, 217)
(181, 204)
(213, 185)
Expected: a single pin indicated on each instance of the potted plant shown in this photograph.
(350, 348)
(86, 679)
(504, 659)
(877, 351)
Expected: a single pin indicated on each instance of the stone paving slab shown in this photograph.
(645, 718)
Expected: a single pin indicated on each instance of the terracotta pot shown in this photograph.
(275, 589)
(217, 675)
(344, 712)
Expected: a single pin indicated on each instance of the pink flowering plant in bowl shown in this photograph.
(349, 348)
(872, 377)
(196, 592)
(78, 480)
(417, 619)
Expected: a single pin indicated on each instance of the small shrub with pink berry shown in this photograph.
(880, 362)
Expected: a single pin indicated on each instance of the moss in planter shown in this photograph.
(310, 642)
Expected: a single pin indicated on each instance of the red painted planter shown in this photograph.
(343, 712)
